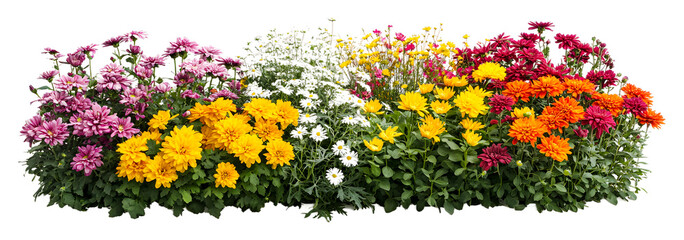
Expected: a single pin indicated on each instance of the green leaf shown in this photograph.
(451, 144)
(538, 196)
(133, 207)
(516, 181)
(432, 159)
(390, 205)
(431, 201)
(375, 170)
(407, 176)
(449, 207)
(560, 188)
(459, 171)
(387, 172)
(384, 184)
(422, 188)
(186, 196)
(407, 194)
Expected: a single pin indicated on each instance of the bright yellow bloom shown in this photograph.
(182, 148)
(345, 63)
(133, 167)
(279, 152)
(431, 127)
(413, 101)
(479, 91)
(373, 106)
(469, 124)
(389, 134)
(441, 107)
(151, 135)
(247, 148)
(198, 112)
(160, 120)
(444, 93)
(226, 175)
(286, 114)
(426, 88)
(489, 70)
(161, 172)
(386, 72)
(471, 104)
(522, 112)
(209, 114)
(226, 131)
(471, 137)
(132, 146)
(374, 145)
(404, 86)
(267, 130)
(260, 108)
(455, 81)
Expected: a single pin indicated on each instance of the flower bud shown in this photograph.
(566, 172)
(527, 114)
(186, 114)
(33, 89)
(519, 163)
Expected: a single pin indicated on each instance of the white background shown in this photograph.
(644, 38)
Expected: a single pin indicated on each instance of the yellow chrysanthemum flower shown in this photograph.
(469, 124)
(373, 106)
(279, 152)
(151, 135)
(261, 108)
(182, 148)
(160, 120)
(431, 128)
(471, 104)
(426, 88)
(440, 107)
(226, 131)
(161, 172)
(455, 81)
(479, 91)
(471, 137)
(198, 112)
(247, 148)
(389, 134)
(132, 146)
(219, 109)
(374, 145)
(413, 101)
(226, 175)
(267, 130)
(523, 112)
(286, 114)
(444, 93)
(489, 70)
(133, 167)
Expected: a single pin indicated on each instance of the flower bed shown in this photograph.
(340, 123)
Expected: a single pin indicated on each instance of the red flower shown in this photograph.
(493, 155)
(540, 26)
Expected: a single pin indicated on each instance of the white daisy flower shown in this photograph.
(265, 93)
(312, 96)
(340, 149)
(318, 134)
(350, 159)
(253, 90)
(307, 103)
(350, 120)
(285, 90)
(334, 176)
(363, 121)
(358, 102)
(299, 132)
(307, 118)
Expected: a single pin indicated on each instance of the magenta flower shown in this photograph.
(131, 96)
(636, 106)
(163, 87)
(135, 35)
(75, 59)
(152, 62)
(79, 103)
(582, 133)
(196, 66)
(48, 75)
(50, 51)
(111, 68)
(143, 72)
(493, 155)
(123, 128)
(88, 50)
(500, 103)
(115, 41)
(113, 82)
(216, 70)
(87, 159)
(400, 36)
(137, 110)
(53, 132)
(229, 62)
(540, 26)
(95, 121)
(224, 93)
(30, 129)
(208, 52)
(181, 47)
(190, 94)
(602, 78)
(183, 78)
(134, 50)
(67, 83)
(567, 41)
(599, 119)
(58, 99)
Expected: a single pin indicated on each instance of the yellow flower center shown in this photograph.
(49, 133)
(307, 115)
(132, 95)
(308, 104)
(121, 128)
(318, 134)
(349, 157)
(334, 175)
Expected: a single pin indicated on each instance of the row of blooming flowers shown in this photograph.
(386, 118)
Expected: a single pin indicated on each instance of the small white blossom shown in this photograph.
(350, 159)
(340, 148)
(318, 134)
(334, 176)
(299, 132)
(307, 118)
(350, 120)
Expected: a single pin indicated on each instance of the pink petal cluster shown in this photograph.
(95, 121)
(599, 119)
(87, 159)
(52, 132)
(500, 102)
(493, 155)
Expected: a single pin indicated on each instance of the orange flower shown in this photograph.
(651, 118)
(518, 90)
(577, 87)
(633, 91)
(548, 86)
(526, 130)
(552, 119)
(569, 109)
(555, 147)
(610, 102)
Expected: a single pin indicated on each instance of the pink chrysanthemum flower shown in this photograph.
(216, 70)
(75, 59)
(58, 99)
(30, 129)
(602, 78)
(143, 72)
(134, 50)
(163, 87)
(190, 94)
(111, 68)
(581, 132)
(87, 159)
(599, 119)
(113, 82)
(135, 35)
(567, 41)
(224, 94)
(68, 83)
(79, 103)
(137, 110)
(152, 62)
(88, 50)
(540, 26)
(196, 66)
(53, 132)
(183, 78)
(229, 62)
(131, 96)
(493, 155)
(95, 121)
(180, 46)
(123, 128)
(115, 41)
(635, 105)
(500, 103)
(208, 52)
(48, 75)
